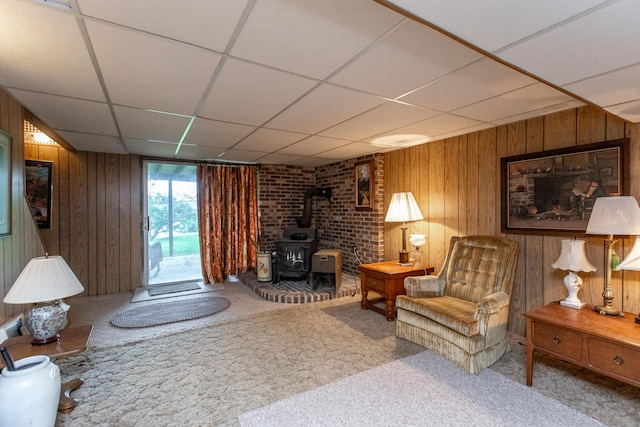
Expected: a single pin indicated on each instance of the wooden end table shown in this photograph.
(72, 340)
(387, 280)
(609, 345)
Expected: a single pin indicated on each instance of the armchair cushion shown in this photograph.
(454, 313)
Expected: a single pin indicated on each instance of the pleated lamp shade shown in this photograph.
(617, 215)
(403, 208)
(44, 279)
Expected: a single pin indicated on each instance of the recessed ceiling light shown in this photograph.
(403, 140)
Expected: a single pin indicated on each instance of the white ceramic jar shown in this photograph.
(30, 394)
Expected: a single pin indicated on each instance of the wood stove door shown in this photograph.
(293, 259)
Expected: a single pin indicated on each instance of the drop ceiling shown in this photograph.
(309, 82)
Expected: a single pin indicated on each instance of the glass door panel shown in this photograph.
(172, 247)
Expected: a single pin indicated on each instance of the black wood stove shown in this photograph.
(294, 251)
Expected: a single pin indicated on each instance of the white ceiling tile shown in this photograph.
(481, 80)
(69, 113)
(188, 151)
(269, 140)
(629, 110)
(239, 84)
(324, 107)
(459, 132)
(310, 37)
(279, 159)
(539, 112)
(147, 148)
(206, 23)
(584, 47)
(608, 89)
(148, 72)
(212, 133)
(313, 145)
(353, 150)
(90, 142)
(390, 115)
(234, 155)
(311, 162)
(43, 50)
(533, 97)
(429, 128)
(148, 125)
(493, 24)
(410, 57)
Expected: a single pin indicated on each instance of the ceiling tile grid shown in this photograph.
(307, 82)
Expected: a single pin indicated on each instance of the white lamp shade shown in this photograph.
(619, 215)
(573, 258)
(403, 208)
(44, 279)
(632, 261)
(417, 240)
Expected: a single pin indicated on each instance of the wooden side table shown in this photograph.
(609, 345)
(387, 280)
(72, 340)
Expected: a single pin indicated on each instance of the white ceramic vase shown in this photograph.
(30, 394)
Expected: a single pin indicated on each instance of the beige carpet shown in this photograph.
(210, 374)
(423, 389)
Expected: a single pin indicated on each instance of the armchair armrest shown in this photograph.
(491, 304)
(423, 286)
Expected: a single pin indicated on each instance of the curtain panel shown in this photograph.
(228, 219)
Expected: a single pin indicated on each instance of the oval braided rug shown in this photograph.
(170, 312)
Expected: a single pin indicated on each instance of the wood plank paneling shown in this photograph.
(97, 209)
(459, 195)
(24, 242)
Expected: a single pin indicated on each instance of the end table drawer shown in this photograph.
(374, 283)
(558, 340)
(614, 359)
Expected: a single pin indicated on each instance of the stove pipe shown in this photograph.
(304, 221)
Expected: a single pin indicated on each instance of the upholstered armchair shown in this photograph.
(462, 312)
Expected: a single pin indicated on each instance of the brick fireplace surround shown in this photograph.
(338, 224)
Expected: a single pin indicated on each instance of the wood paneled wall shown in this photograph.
(457, 184)
(96, 216)
(24, 242)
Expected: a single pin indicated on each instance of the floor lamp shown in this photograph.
(403, 208)
(620, 216)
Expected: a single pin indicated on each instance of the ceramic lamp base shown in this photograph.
(44, 320)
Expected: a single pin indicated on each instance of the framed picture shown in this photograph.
(364, 185)
(38, 190)
(554, 191)
(5, 184)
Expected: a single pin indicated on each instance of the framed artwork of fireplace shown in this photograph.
(364, 178)
(553, 192)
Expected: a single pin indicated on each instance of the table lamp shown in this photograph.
(573, 259)
(616, 215)
(403, 208)
(44, 281)
(632, 262)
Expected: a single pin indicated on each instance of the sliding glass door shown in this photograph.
(172, 247)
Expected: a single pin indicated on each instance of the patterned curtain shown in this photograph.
(228, 219)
